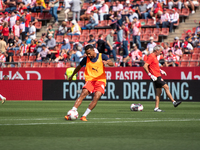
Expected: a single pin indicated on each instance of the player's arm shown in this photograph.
(154, 78)
(75, 72)
(106, 60)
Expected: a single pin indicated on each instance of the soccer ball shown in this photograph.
(72, 114)
(136, 107)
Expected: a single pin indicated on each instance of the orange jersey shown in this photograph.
(95, 71)
(154, 68)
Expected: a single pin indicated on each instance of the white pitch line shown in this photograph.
(73, 122)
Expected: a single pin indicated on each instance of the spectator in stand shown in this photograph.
(79, 56)
(125, 40)
(6, 17)
(32, 5)
(156, 10)
(1, 18)
(18, 43)
(142, 11)
(133, 15)
(11, 5)
(98, 4)
(101, 44)
(164, 19)
(176, 42)
(62, 29)
(27, 39)
(135, 6)
(198, 45)
(104, 10)
(77, 44)
(43, 38)
(94, 20)
(27, 3)
(113, 18)
(2, 5)
(197, 31)
(62, 56)
(42, 56)
(174, 17)
(32, 31)
(150, 45)
(149, 8)
(178, 52)
(162, 2)
(11, 42)
(76, 8)
(136, 28)
(22, 29)
(38, 48)
(13, 19)
(109, 44)
(21, 8)
(171, 60)
(53, 10)
(134, 55)
(50, 30)
(189, 36)
(67, 7)
(51, 42)
(75, 29)
(66, 45)
(9, 58)
(86, 15)
(119, 30)
(5, 31)
(24, 49)
(40, 4)
(119, 7)
(3, 45)
(16, 29)
(195, 41)
(54, 53)
(173, 3)
(32, 48)
(187, 48)
(2, 58)
(192, 4)
(126, 8)
(27, 20)
(166, 49)
(92, 41)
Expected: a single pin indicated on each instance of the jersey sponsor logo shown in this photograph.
(95, 69)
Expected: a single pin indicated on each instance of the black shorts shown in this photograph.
(159, 82)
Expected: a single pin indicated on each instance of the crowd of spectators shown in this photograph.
(18, 31)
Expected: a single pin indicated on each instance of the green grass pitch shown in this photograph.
(32, 125)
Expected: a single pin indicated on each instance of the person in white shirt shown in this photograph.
(76, 30)
(164, 19)
(94, 20)
(187, 48)
(67, 8)
(150, 45)
(32, 31)
(133, 15)
(174, 17)
(27, 3)
(103, 11)
(119, 6)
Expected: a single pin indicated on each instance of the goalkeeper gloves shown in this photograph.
(154, 78)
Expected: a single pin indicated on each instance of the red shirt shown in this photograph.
(125, 34)
(21, 10)
(28, 19)
(31, 48)
(5, 31)
(1, 27)
(154, 68)
(57, 54)
(172, 58)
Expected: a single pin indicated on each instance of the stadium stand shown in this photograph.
(25, 54)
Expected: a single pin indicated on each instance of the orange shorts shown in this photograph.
(93, 86)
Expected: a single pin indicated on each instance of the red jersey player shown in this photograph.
(152, 68)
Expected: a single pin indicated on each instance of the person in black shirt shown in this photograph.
(101, 44)
(11, 42)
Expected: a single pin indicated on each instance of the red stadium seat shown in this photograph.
(186, 57)
(86, 32)
(74, 38)
(93, 31)
(40, 16)
(36, 64)
(59, 38)
(157, 31)
(165, 31)
(83, 38)
(194, 57)
(32, 58)
(184, 64)
(38, 25)
(52, 64)
(81, 23)
(68, 64)
(185, 12)
(148, 31)
(150, 22)
(48, 16)
(143, 22)
(44, 64)
(193, 64)
(28, 64)
(23, 58)
(101, 31)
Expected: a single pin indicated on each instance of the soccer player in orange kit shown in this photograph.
(95, 78)
(153, 70)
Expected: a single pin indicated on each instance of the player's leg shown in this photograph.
(3, 99)
(99, 89)
(166, 88)
(158, 93)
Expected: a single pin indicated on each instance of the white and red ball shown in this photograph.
(136, 107)
(72, 114)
